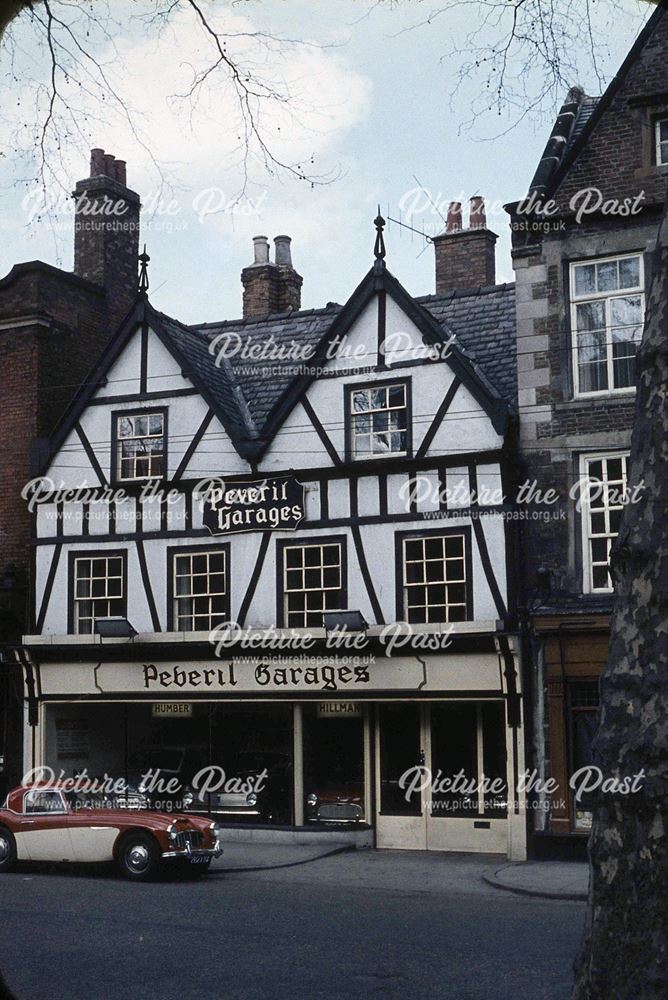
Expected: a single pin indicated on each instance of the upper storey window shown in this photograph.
(314, 582)
(606, 477)
(378, 420)
(661, 140)
(436, 582)
(99, 589)
(140, 445)
(607, 311)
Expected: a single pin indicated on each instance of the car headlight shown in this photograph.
(171, 833)
(188, 799)
(251, 799)
(312, 799)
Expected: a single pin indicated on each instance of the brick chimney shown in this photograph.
(106, 233)
(270, 287)
(465, 257)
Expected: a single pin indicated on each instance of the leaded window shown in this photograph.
(140, 445)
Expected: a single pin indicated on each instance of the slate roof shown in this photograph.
(306, 327)
(572, 120)
(217, 378)
(483, 321)
(250, 395)
(246, 390)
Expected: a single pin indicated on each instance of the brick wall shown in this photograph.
(618, 158)
(19, 363)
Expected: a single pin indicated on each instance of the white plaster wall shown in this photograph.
(162, 371)
(123, 376)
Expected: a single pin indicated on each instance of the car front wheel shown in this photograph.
(7, 850)
(138, 857)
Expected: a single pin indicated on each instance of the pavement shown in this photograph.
(549, 879)
(546, 879)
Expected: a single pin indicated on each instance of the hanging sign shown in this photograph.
(254, 505)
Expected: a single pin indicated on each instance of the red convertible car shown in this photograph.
(52, 823)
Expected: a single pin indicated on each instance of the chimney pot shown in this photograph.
(109, 165)
(120, 173)
(96, 162)
(282, 252)
(261, 249)
(454, 220)
(477, 216)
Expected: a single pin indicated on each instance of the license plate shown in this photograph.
(199, 859)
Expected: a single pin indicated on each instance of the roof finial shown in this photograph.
(379, 247)
(144, 258)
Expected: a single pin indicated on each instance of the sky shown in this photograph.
(371, 116)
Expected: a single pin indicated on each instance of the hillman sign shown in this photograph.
(254, 505)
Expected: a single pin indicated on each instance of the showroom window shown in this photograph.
(140, 445)
(435, 578)
(607, 310)
(200, 589)
(313, 582)
(378, 420)
(605, 480)
(99, 589)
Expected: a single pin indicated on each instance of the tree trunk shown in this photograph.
(625, 951)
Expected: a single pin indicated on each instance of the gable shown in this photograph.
(611, 148)
(381, 303)
(444, 415)
(145, 376)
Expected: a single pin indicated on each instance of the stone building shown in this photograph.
(582, 253)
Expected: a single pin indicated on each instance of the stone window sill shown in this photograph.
(594, 401)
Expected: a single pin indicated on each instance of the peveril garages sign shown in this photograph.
(253, 505)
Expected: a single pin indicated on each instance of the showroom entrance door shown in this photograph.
(401, 815)
(418, 745)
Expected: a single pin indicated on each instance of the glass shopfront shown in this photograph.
(334, 763)
(322, 765)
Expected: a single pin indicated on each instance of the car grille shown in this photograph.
(192, 839)
(340, 811)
